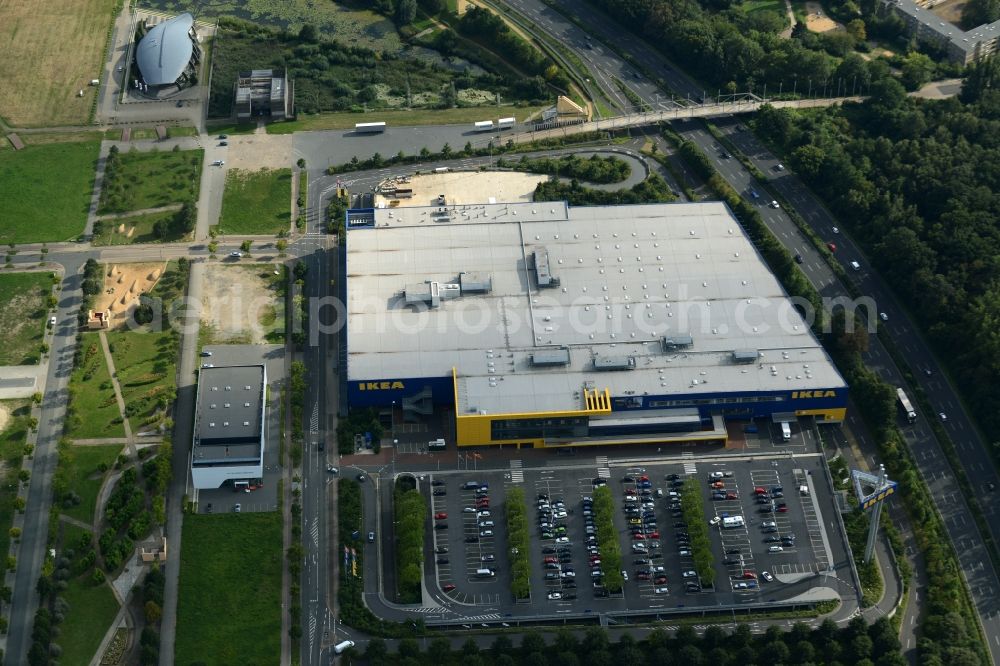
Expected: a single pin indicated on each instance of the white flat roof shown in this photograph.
(628, 276)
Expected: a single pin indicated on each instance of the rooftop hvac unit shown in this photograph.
(550, 357)
(608, 363)
(675, 342)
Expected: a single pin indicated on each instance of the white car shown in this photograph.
(883, 316)
(486, 523)
(624, 574)
(775, 549)
(219, 163)
(684, 553)
(715, 521)
(560, 514)
(715, 475)
(767, 576)
(559, 540)
(236, 253)
(836, 230)
(483, 514)
(555, 595)
(486, 533)
(469, 509)
(690, 574)
(660, 590)
(52, 321)
(569, 574)
(769, 523)
(774, 204)
(942, 416)
(780, 167)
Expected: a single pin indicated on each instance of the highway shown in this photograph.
(977, 568)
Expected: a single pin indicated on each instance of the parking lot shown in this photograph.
(782, 533)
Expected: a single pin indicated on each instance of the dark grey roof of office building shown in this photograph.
(229, 405)
(165, 51)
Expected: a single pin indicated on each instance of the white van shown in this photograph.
(485, 573)
(855, 265)
(340, 647)
(786, 432)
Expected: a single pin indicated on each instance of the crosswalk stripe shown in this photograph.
(604, 473)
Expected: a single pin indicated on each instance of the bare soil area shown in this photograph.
(240, 305)
(951, 11)
(817, 21)
(4, 416)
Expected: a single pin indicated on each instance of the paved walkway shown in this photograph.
(118, 390)
(104, 441)
(73, 521)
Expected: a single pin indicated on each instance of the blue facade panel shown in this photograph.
(383, 392)
(737, 405)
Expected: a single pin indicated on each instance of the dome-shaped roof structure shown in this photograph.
(165, 51)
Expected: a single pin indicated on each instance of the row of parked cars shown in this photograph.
(557, 559)
(692, 583)
(640, 514)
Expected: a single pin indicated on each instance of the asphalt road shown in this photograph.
(34, 534)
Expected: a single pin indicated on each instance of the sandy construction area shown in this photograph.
(123, 285)
(467, 187)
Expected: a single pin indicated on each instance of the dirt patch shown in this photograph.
(240, 305)
(4, 416)
(468, 187)
(951, 11)
(817, 21)
(260, 151)
(123, 285)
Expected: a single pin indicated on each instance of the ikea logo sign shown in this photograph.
(379, 386)
(799, 395)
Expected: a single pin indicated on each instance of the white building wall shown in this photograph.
(208, 478)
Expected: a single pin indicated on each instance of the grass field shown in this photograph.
(326, 121)
(256, 202)
(92, 398)
(23, 316)
(92, 609)
(44, 138)
(143, 232)
(84, 476)
(52, 49)
(146, 372)
(13, 436)
(46, 191)
(230, 567)
(149, 180)
(751, 6)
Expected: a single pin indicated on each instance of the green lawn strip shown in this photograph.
(256, 202)
(143, 233)
(92, 608)
(83, 476)
(13, 437)
(611, 553)
(401, 118)
(751, 6)
(134, 180)
(93, 411)
(24, 312)
(230, 569)
(46, 191)
(145, 364)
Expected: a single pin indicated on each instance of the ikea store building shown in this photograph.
(542, 325)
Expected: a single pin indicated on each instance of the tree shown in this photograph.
(281, 245)
(308, 33)
(532, 642)
(856, 29)
(376, 651)
(245, 246)
(406, 11)
(408, 648)
(152, 610)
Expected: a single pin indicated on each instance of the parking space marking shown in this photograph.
(814, 523)
(516, 471)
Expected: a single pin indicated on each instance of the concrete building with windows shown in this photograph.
(263, 93)
(167, 56)
(542, 325)
(228, 444)
(963, 47)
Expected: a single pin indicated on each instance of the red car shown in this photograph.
(759, 491)
(482, 502)
(448, 588)
(719, 484)
(833, 248)
(644, 478)
(653, 535)
(783, 508)
(639, 537)
(731, 496)
(660, 580)
(440, 516)
(551, 560)
(749, 575)
(642, 575)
